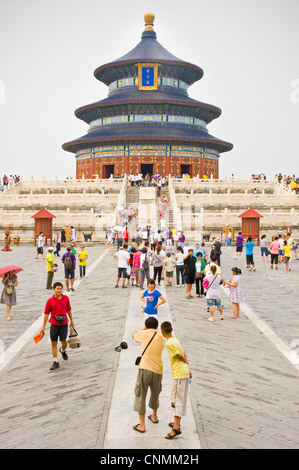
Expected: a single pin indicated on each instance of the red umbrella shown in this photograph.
(7, 269)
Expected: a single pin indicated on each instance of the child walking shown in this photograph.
(236, 293)
(287, 254)
(180, 378)
(151, 298)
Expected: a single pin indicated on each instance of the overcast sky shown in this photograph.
(249, 51)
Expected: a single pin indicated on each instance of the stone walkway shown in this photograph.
(244, 391)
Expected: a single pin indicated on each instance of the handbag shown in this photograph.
(138, 359)
(74, 339)
(9, 290)
(198, 275)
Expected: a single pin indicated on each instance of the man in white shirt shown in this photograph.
(280, 252)
(40, 245)
(123, 258)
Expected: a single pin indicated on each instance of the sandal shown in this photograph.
(171, 425)
(135, 427)
(150, 418)
(176, 433)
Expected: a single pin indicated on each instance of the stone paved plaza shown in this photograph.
(244, 391)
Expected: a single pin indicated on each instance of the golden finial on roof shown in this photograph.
(149, 19)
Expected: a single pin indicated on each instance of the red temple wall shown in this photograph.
(132, 164)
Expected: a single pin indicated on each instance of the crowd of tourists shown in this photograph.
(8, 181)
(146, 257)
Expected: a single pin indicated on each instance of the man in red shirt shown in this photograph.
(60, 309)
(126, 235)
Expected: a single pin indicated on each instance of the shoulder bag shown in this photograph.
(138, 359)
(209, 284)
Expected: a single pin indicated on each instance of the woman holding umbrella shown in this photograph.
(9, 281)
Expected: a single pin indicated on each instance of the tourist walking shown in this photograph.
(59, 309)
(50, 262)
(264, 248)
(144, 267)
(236, 294)
(239, 245)
(229, 240)
(213, 292)
(57, 241)
(249, 245)
(158, 264)
(40, 245)
(287, 254)
(216, 250)
(169, 267)
(151, 298)
(179, 265)
(82, 257)
(189, 272)
(136, 265)
(63, 237)
(9, 296)
(123, 257)
(274, 248)
(69, 261)
(73, 236)
(150, 372)
(181, 375)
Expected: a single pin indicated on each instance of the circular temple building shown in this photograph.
(148, 123)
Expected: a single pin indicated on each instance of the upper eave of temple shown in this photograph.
(158, 101)
(149, 50)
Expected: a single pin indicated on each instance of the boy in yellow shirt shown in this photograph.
(180, 375)
(287, 254)
(82, 257)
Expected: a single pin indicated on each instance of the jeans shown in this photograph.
(82, 270)
(179, 271)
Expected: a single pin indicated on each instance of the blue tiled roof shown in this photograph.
(147, 132)
(148, 50)
(131, 95)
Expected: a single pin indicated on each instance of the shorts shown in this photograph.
(137, 272)
(249, 259)
(280, 252)
(40, 250)
(239, 249)
(190, 279)
(179, 396)
(213, 302)
(69, 273)
(169, 273)
(147, 379)
(122, 272)
(58, 331)
(286, 259)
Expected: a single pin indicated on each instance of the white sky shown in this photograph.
(249, 51)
